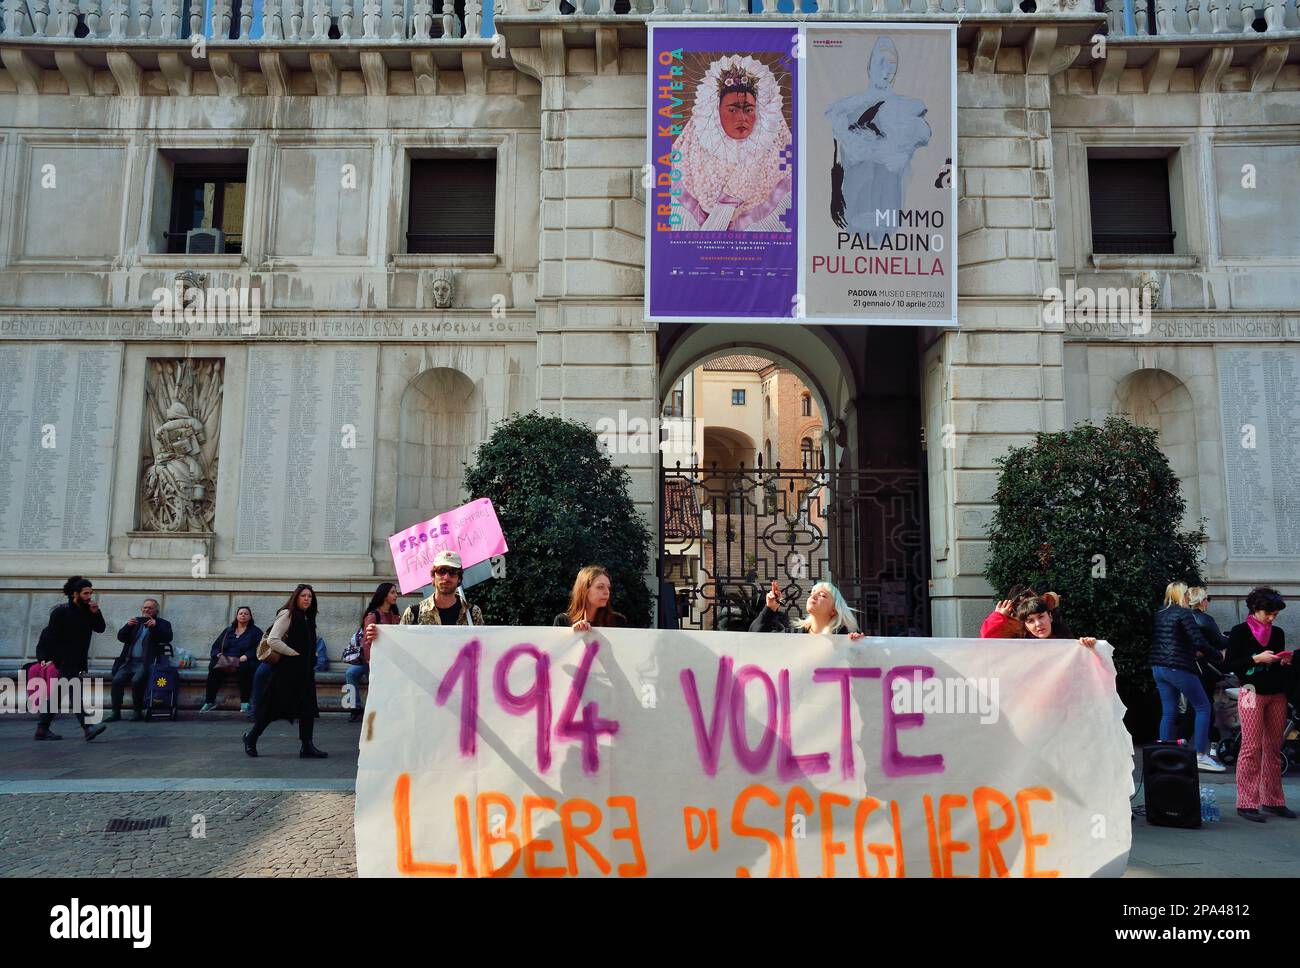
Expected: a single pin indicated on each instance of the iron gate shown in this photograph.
(726, 534)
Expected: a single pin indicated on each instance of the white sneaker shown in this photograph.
(206, 706)
(1208, 764)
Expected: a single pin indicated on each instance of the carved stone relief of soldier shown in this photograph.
(182, 434)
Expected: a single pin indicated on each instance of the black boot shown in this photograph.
(310, 752)
(93, 731)
(250, 745)
(46, 734)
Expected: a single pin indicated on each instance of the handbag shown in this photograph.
(352, 653)
(265, 653)
(226, 663)
(40, 700)
(268, 651)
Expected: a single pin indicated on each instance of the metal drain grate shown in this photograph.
(121, 825)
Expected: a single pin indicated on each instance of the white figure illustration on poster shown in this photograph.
(876, 134)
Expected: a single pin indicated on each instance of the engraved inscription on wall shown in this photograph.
(1259, 392)
(58, 412)
(306, 475)
(182, 414)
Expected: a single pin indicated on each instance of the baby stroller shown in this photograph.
(1290, 751)
(163, 693)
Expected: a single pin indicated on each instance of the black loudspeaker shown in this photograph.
(1173, 785)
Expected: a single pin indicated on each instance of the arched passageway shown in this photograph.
(854, 515)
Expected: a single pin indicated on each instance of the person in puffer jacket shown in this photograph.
(1175, 642)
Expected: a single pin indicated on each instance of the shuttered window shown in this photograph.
(452, 205)
(1129, 200)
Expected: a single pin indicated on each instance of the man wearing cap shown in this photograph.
(447, 605)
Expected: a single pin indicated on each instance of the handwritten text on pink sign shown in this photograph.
(472, 531)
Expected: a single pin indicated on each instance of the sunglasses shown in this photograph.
(443, 572)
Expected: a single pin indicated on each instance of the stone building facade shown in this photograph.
(212, 462)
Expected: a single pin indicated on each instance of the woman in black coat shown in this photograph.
(1257, 653)
(239, 641)
(1211, 663)
(1176, 641)
(291, 693)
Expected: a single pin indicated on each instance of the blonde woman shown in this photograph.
(1211, 663)
(1176, 641)
(827, 613)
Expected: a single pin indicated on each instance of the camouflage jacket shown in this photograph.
(426, 613)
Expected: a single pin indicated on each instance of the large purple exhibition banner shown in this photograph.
(802, 173)
(722, 206)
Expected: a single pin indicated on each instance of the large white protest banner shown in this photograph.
(626, 752)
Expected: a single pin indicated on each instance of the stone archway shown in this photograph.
(1159, 400)
(820, 364)
(440, 425)
(856, 518)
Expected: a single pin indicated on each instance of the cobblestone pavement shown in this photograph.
(280, 816)
(249, 832)
(244, 834)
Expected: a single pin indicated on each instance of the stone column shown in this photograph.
(596, 354)
(997, 381)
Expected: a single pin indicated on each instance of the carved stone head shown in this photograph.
(191, 284)
(442, 289)
(1150, 290)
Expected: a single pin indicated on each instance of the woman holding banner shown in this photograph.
(1029, 615)
(589, 603)
(827, 613)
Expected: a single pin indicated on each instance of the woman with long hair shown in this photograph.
(237, 641)
(589, 603)
(1257, 653)
(1176, 641)
(291, 692)
(382, 610)
(825, 613)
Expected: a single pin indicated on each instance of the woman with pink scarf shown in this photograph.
(1257, 654)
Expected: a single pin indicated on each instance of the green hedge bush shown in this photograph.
(1096, 491)
(562, 504)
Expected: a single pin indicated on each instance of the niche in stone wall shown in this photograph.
(441, 422)
(182, 436)
(1159, 400)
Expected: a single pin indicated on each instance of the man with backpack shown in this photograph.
(65, 641)
(143, 640)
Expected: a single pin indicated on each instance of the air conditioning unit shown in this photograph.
(205, 242)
